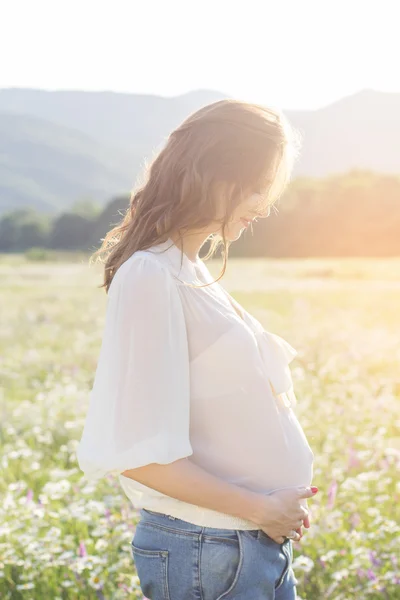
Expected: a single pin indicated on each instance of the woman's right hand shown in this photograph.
(281, 512)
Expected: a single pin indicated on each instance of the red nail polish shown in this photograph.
(314, 489)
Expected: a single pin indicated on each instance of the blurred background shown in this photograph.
(89, 90)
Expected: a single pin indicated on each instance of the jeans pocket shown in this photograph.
(255, 533)
(152, 570)
(220, 563)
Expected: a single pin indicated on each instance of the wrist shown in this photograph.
(255, 507)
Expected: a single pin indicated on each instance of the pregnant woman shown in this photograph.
(192, 404)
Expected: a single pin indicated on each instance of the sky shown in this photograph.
(293, 54)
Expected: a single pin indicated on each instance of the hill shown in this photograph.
(47, 166)
(134, 120)
(59, 146)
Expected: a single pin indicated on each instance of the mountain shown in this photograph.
(47, 166)
(361, 131)
(133, 120)
(58, 146)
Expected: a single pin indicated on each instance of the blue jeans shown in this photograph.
(176, 560)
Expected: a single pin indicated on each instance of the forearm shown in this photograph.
(186, 481)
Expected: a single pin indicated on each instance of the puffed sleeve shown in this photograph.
(139, 404)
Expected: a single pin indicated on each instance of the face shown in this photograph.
(242, 217)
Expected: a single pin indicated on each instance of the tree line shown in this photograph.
(353, 214)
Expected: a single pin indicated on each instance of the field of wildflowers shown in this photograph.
(62, 538)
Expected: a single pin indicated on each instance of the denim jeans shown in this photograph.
(176, 560)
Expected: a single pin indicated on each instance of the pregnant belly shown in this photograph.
(246, 436)
(262, 463)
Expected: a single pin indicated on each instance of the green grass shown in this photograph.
(62, 538)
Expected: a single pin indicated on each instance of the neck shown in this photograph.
(190, 244)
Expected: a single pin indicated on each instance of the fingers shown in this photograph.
(306, 492)
(305, 515)
(299, 531)
(298, 524)
(279, 540)
(304, 512)
(294, 535)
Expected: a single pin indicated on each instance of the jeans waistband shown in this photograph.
(177, 523)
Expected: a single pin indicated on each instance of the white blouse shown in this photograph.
(181, 374)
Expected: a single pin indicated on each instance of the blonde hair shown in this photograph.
(248, 148)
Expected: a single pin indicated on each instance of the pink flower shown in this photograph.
(82, 549)
(355, 520)
(332, 493)
(353, 461)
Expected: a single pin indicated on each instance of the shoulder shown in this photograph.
(143, 271)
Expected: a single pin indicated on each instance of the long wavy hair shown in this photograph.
(228, 147)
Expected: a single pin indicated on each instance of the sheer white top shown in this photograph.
(181, 374)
